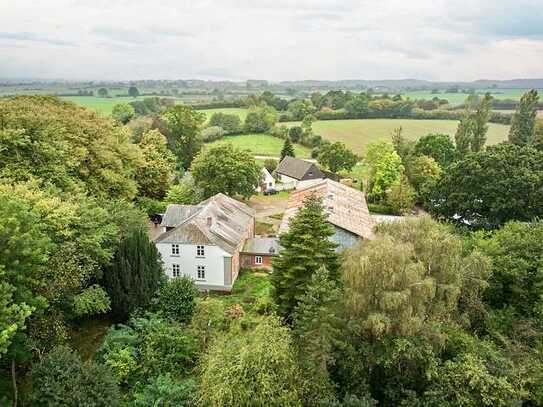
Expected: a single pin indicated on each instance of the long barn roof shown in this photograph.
(345, 206)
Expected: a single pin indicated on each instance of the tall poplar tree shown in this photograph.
(522, 129)
(134, 275)
(305, 248)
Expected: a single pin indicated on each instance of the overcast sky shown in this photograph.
(271, 39)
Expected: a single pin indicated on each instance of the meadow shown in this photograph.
(459, 98)
(357, 133)
(262, 144)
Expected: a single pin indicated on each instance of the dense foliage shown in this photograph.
(491, 187)
(225, 169)
(176, 299)
(62, 379)
(66, 146)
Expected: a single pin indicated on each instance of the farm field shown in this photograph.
(357, 133)
(100, 105)
(262, 144)
(459, 98)
(242, 113)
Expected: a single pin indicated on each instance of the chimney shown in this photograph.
(209, 221)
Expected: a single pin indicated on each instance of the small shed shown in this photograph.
(258, 252)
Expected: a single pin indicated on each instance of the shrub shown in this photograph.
(62, 379)
(213, 133)
(165, 391)
(230, 123)
(93, 300)
(176, 299)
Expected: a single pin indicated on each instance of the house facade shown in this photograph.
(345, 207)
(293, 170)
(268, 182)
(204, 241)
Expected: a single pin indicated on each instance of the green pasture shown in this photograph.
(459, 98)
(262, 144)
(357, 133)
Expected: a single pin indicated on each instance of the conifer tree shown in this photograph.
(305, 248)
(316, 324)
(134, 275)
(288, 149)
(522, 129)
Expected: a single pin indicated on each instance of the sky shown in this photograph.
(441, 40)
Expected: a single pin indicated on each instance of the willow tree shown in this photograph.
(410, 279)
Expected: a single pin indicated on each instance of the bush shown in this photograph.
(213, 133)
(295, 133)
(93, 300)
(230, 123)
(208, 320)
(163, 391)
(270, 164)
(62, 379)
(176, 299)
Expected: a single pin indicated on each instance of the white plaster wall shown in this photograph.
(286, 179)
(188, 262)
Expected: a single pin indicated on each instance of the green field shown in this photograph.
(357, 133)
(242, 113)
(100, 105)
(262, 144)
(459, 98)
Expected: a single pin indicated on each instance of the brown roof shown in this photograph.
(229, 221)
(296, 168)
(346, 207)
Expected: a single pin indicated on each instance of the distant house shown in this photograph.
(268, 182)
(293, 170)
(204, 241)
(345, 206)
(258, 252)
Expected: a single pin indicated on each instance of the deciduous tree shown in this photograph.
(182, 129)
(522, 129)
(226, 169)
(336, 156)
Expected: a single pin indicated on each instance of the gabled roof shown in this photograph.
(346, 207)
(262, 245)
(175, 214)
(295, 168)
(226, 227)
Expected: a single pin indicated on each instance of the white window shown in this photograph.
(176, 270)
(201, 272)
(200, 251)
(258, 259)
(175, 250)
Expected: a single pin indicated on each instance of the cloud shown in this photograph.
(28, 36)
(272, 39)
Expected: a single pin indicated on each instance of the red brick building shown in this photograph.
(258, 252)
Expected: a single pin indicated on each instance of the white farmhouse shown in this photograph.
(204, 241)
(268, 182)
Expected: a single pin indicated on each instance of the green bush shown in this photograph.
(176, 299)
(62, 379)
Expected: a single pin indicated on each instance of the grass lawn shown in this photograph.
(262, 144)
(242, 113)
(101, 105)
(249, 286)
(357, 133)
